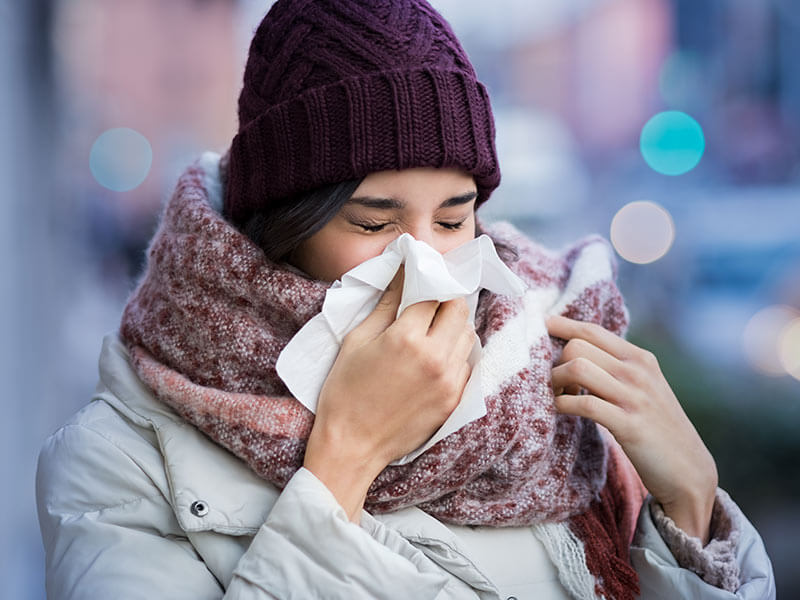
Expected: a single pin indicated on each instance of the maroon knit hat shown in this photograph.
(337, 89)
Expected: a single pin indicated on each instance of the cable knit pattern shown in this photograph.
(211, 314)
(337, 89)
(715, 562)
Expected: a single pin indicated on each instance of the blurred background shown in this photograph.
(672, 127)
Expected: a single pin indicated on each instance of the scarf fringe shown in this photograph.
(567, 552)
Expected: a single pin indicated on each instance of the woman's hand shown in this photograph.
(392, 386)
(629, 396)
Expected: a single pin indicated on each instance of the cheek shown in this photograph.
(351, 252)
(450, 241)
(464, 237)
(328, 257)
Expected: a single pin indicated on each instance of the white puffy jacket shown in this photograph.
(136, 503)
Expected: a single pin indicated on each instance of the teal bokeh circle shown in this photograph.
(672, 142)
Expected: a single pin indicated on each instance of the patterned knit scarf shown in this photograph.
(210, 315)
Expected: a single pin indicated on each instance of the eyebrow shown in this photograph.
(394, 203)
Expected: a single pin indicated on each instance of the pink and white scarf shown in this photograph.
(211, 313)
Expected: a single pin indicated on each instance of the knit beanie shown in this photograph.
(337, 89)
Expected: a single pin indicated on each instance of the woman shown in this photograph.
(193, 473)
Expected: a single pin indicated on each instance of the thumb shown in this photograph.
(385, 311)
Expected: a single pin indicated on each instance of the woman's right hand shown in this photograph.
(393, 384)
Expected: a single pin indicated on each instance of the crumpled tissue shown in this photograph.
(304, 363)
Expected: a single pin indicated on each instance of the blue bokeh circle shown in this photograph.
(120, 159)
(672, 142)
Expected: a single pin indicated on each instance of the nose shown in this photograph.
(422, 233)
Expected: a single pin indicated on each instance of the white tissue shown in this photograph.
(306, 360)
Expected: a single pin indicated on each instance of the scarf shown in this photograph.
(210, 314)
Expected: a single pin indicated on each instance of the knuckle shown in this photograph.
(450, 388)
(435, 368)
(574, 348)
(386, 300)
(586, 404)
(448, 381)
(468, 333)
(639, 402)
(587, 328)
(402, 340)
(629, 372)
(351, 339)
(637, 375)
(640, 379)
(568, 353)
(647, 358)
(462, 308)
(579, 367)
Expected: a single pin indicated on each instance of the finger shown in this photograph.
(609, 416)
(461, 349)
(568, 329)
(417, 318)
(449, 321)
(580, 348)
(466, 372)
(385, 310)
(572, 389)
(584, 373)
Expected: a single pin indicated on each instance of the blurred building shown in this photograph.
(169, 70)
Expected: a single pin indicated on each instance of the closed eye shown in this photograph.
(373, 228)
(452, 226)
(376, 227)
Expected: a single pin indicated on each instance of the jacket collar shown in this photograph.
(197, 469)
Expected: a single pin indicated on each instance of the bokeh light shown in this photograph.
(672, 142)
(769, 338)
(120, 159)
(789, 348)
(642, 232)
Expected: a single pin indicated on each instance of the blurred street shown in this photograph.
(708, 248)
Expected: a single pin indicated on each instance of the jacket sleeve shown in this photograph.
(670, 564)
(110, 532)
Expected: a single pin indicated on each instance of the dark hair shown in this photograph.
(280, 228)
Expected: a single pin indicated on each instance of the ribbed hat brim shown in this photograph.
(359, 125)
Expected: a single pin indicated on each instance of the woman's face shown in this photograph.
(436, 206)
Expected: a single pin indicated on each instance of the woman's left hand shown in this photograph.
(630, 397)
